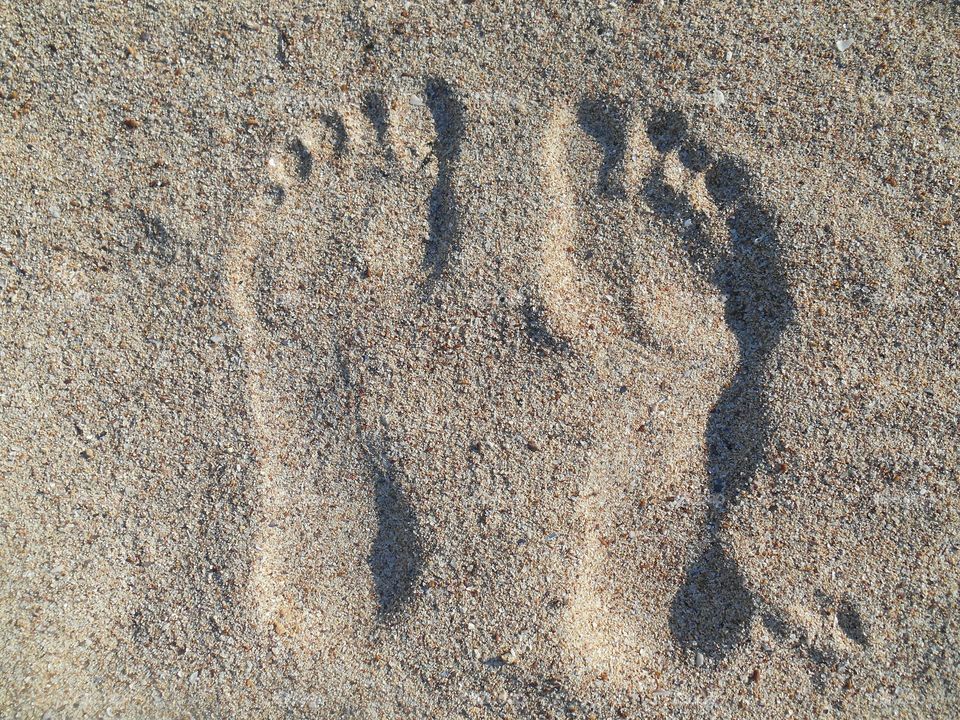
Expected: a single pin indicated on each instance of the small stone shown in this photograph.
(844, 45)
(509, 657)
(131, 123)
(714, 97)
(698, 660)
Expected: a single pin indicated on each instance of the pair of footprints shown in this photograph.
(651, 180)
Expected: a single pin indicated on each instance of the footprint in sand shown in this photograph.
(665, 272)
(662, 276)
(327, 479)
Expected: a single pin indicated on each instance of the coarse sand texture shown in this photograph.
(479, 360)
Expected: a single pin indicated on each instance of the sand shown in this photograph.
(479, 360)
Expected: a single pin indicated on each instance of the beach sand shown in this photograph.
(479, 360)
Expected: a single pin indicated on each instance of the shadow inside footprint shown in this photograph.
(851, 623)
(758, 309)
(712, 611)
(375, 110)
(443, 218)
(667, 129)
(396, 557)
(604, 120)
(303, 157)
(537, 331)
